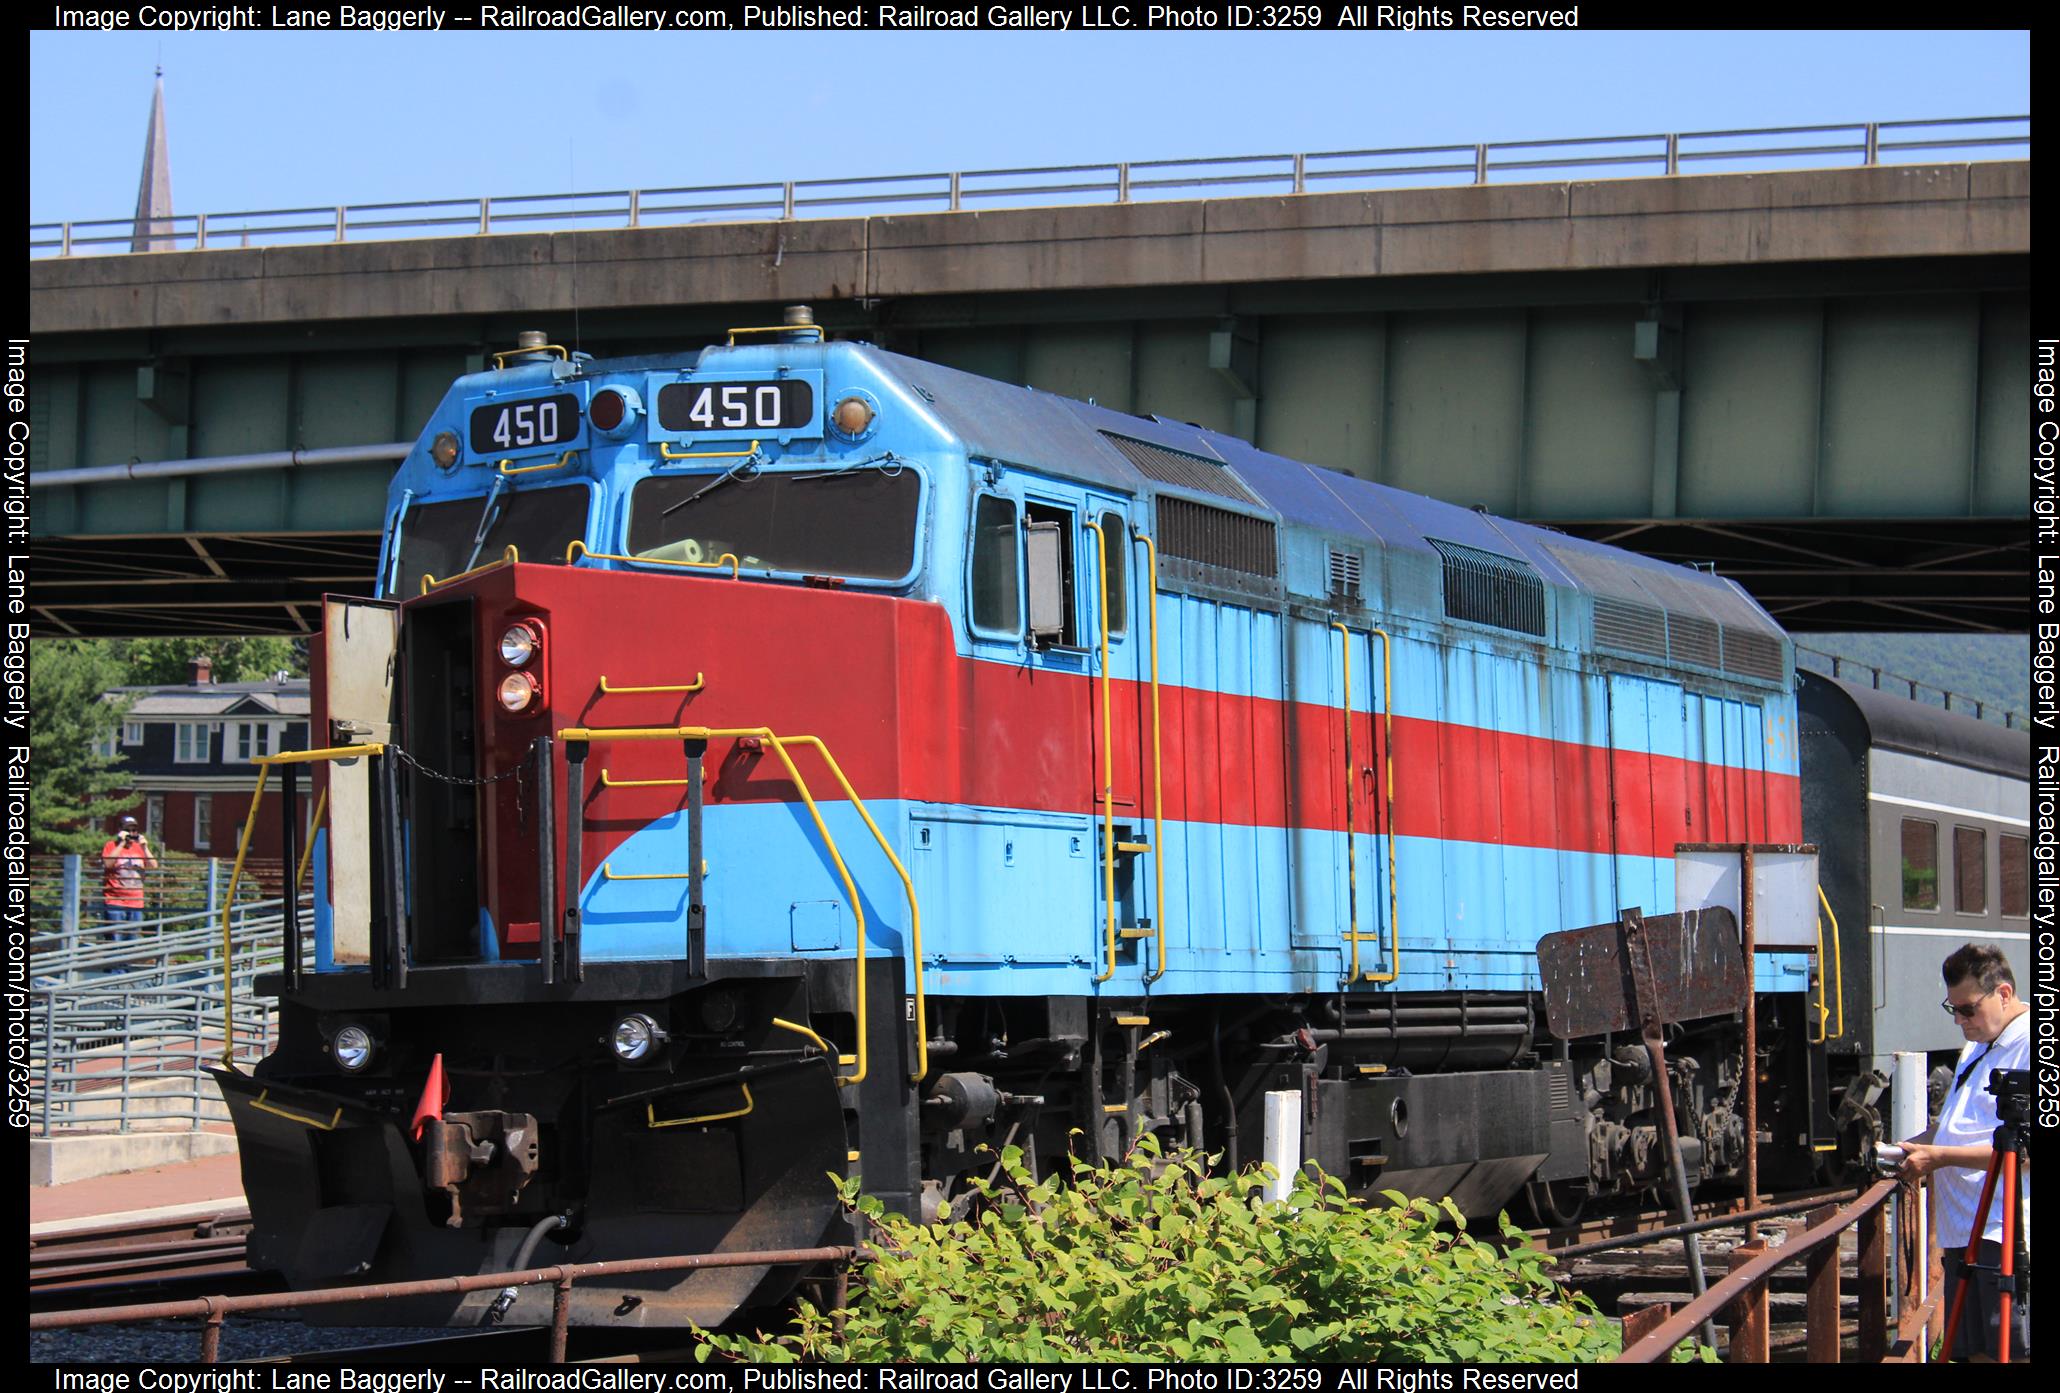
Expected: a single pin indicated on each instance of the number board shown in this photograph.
(694, 408)
(525, 423)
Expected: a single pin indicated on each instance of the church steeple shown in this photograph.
(154, 196)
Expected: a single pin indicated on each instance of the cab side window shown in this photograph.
(997, 588)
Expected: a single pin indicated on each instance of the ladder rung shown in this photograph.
(1115, 1107)
(1134, 846)
(1369, 1160)
(1134, 933)
(1373, 1068)
(1133, 1020)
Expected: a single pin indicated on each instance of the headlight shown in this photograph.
(518, 645)
(352, 1048)
(635, 1036)
(517, 690)
(444, 449)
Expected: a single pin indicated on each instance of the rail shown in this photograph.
(117, 1033)
(1651, 1336)
(1918, 690)
(213, 1310)
(779, 744)
(1842, 145)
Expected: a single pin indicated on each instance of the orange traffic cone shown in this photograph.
(436, 1091)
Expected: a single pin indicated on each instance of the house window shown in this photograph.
(154, 819)
(132, 732)
(104, 746)
(1970, 870)
(192, 744)
(203, 820)
(253, 740)
(1920, 864)
(2011, 854)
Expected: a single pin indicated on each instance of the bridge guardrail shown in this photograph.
(1859, 143)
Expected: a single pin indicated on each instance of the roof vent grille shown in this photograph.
(1485, 588)
(1184, 470)
(1345, 567)
(1630, 627)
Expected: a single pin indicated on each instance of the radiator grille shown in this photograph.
(1691, 639)
(1485, 588)
(1752, 655)
(1630, 627)
(1175, 467)
(1216, 537)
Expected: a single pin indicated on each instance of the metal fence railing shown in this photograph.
(1852, 670)
(65, 890)
(118, 1029)
(1514, 161)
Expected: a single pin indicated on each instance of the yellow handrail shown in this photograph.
(1101, 571)
(1352, 934)
(700, 681)
(778, 329)
(651, 1113)
(1158, 796)
(307, 852)
(666, 453)
(576, 549)
(1838, 961)
(502, 357)
(779, 746)
(609, 874)
(820, 1043)
(1387, 704)
(502, 466)
(257, 795)
(610, 781)
(508, 558)
(275, 1110)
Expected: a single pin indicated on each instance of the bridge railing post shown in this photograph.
(1123, 183)
(1873, 142)
(954, 191)
(65, 248)
(486, 217)
(787, 199)
(200, 232)
(1301, 174)
(339, 222)
(636, 204)
(1480, 164)
(1673, 153)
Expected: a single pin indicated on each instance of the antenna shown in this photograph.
(572, 177)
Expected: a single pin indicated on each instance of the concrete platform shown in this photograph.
(66, 1160)
(210, 1181)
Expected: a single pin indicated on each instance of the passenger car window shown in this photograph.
(1920, 864)
(1970, 870)
(2011, 858)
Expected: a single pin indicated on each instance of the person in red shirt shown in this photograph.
(122, 863)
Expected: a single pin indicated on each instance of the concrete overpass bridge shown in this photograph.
(1817, 379)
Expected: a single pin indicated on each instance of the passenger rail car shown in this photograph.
(1924, 820)
(789, 756)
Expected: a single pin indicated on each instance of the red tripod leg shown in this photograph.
(1988, 1191)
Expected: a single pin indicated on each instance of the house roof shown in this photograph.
(271, 697)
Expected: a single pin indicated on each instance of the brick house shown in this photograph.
(188, 751)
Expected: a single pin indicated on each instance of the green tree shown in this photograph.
(73, 788)
(162, 662)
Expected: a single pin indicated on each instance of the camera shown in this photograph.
(2011, 1088)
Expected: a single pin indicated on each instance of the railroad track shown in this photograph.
(155, 1259)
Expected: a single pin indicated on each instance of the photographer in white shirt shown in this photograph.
(1981, 995)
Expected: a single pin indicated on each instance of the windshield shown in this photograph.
(859, 523)
(438, 538)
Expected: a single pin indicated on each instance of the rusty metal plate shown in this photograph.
(1698, 969)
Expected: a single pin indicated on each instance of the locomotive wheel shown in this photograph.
(1556, 1204)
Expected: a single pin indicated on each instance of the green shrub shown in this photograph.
(1154, 1258)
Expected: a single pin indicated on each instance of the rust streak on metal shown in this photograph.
(1820, 1309)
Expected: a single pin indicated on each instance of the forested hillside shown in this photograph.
(1994, 669)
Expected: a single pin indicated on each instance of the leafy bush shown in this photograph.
(1156, 1259)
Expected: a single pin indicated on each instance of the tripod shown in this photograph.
(2005, 1164)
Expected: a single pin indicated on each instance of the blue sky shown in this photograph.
(269, 120)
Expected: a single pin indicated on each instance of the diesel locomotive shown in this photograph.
(788, 757)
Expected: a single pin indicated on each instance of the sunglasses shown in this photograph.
(1966, 1013)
